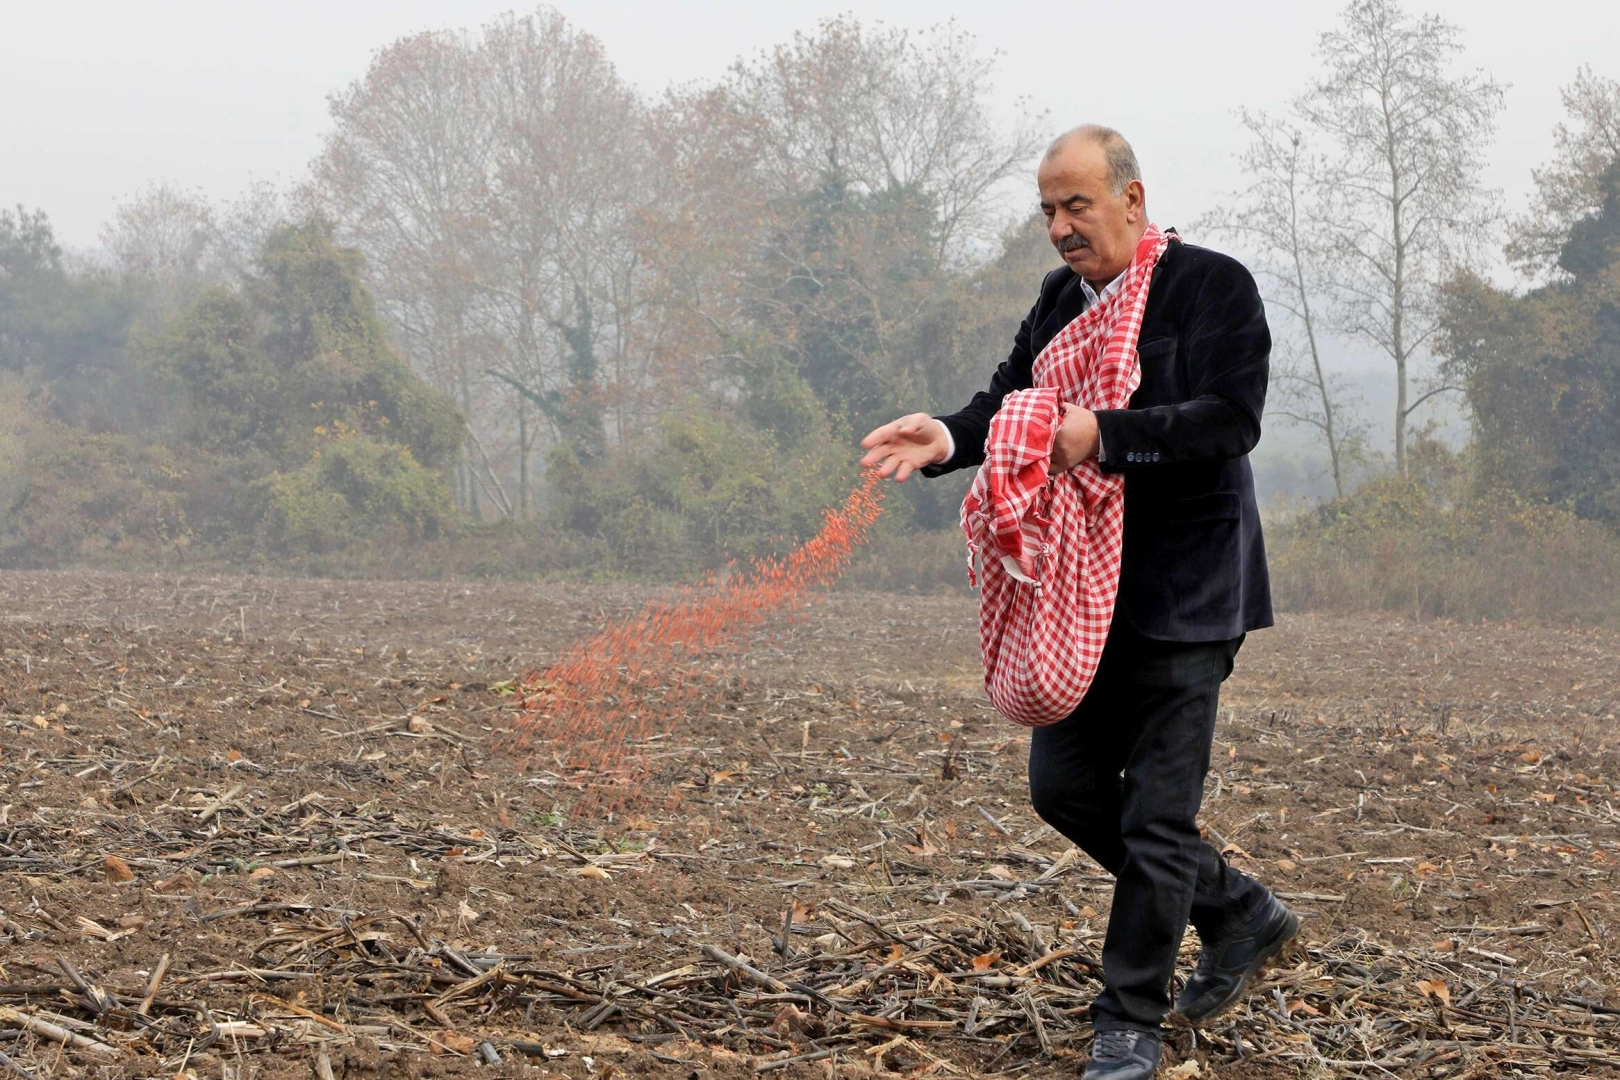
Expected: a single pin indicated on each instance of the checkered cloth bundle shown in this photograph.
(1045, 549)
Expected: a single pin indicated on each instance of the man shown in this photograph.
(1122, 776)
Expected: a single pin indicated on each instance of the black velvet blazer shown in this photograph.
(1194, 562)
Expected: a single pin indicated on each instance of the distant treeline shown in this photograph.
(522, 319)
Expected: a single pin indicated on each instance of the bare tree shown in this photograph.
(492, 180)
(164, 238)
(403, 173)
(1402, 201)
(500, 184)
(558, 263)
(889, 108)
(242, 225)
(1275, 219)
(1569, 187)
(824, 188)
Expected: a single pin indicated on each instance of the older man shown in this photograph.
(1122, 776)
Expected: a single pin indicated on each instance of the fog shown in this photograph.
(167, 143)
(213, 96)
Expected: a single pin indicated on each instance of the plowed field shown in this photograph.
(267, 828)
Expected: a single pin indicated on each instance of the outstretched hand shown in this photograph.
(903, 446)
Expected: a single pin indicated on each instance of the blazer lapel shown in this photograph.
(1070, 302)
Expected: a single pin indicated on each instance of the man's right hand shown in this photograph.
(906, 445)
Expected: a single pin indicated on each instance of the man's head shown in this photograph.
(1095, 206)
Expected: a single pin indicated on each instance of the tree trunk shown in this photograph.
(523, 457)
(1310, 336)
(1400, 408)
(475, 506)
(1398, 287)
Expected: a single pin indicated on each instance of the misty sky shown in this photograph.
(101, 98)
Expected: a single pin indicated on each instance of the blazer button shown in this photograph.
(1131, 456)
(1155, 456)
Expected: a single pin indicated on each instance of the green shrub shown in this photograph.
(1401, 546)
(710, 491)
(903, 559)
(67, 496)
(353, 489)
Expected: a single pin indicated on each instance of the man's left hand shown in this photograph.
(1077, 438)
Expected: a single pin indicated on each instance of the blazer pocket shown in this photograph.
(1157, 355)
(1201, 549)
(1162, 381)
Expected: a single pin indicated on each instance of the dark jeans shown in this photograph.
(1123, 777)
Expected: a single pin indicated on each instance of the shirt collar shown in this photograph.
(1093, 296)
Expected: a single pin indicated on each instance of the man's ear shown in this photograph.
(1135, 201)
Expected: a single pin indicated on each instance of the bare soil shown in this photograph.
(301, 794)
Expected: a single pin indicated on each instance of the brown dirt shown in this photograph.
(1436, 800)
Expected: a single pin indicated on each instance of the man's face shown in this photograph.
(1094, 230)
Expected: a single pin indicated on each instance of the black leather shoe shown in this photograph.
(1123, 1054)
(1227, 964)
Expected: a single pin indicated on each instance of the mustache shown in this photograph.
(1072, 242)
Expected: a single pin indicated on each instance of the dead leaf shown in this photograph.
(837, 862)
(924, 844)
(1185, 1071)
(179, 883)
(259, 873)
(1436, 989)
(461, 1044)
(118, 870)
(986, 961)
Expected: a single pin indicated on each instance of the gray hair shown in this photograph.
(1122, 166)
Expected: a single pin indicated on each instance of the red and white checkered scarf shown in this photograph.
(1048, 547)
